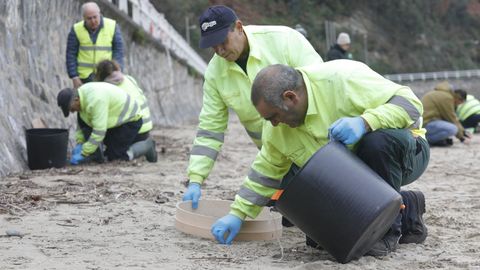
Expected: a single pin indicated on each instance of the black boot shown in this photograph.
(413, 226)
(389, 242)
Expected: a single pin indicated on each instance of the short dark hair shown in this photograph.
(104, 69)
(461, 93)
(272, 81)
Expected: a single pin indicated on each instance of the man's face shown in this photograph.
(232, 47)
(75, 105)
(91, 17)
(288, 115)
(345, 47)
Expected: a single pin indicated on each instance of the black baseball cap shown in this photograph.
(64, 100)
(214, 25)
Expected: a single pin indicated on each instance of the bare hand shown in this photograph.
(76, 82)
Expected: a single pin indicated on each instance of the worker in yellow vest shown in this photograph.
(107, 115)
(90, 41)
(109, 71)
(469, 111)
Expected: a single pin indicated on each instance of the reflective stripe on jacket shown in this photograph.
(89, 53)
(227, 86)
(470, 107)
(130, 86)
(104, 106)
(336, 89)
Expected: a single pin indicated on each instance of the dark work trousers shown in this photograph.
(117, 140)
(396, 156)
(471, 121)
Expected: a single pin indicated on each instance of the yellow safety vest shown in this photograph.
(89, 54)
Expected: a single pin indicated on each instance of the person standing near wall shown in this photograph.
(90, 41)
(340, 49)
(240, 52)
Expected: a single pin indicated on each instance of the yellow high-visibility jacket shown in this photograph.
(227, 87)
(103, 106)
(470, 107)
(90, 54)
(130, 86)
(336, 89)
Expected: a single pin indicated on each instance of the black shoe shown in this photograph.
(443, 143)
(384, 246)
(413, 226)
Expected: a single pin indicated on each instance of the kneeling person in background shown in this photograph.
(107, 115)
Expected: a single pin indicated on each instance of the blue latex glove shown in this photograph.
(193, 194)
(228, 223)
(77, 149)
(348, 130)
(77, 159)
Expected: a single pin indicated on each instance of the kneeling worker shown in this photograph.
(377, 118)
(108, 115)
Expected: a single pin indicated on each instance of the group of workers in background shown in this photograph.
(290, 102)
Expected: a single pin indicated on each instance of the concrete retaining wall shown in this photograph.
(33, 37)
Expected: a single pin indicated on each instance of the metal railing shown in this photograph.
(439, 75)
(144, 13)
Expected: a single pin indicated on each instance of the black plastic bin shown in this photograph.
(46, 148)
(339, 202)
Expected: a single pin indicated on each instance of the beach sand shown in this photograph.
(121, 215)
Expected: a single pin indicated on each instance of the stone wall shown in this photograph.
(33, 37)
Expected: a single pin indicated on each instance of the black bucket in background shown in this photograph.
(46, 147)
(339, 202)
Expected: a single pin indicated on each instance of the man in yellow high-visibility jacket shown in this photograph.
(240, 52)
(90, 41)
(379, 119)
(107, 115)
(109, 71)
(469, 111)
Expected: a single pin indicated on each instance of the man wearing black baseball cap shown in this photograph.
(109, 116)
(240, 52)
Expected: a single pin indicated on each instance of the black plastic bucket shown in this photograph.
(46, 148)
(339, 202)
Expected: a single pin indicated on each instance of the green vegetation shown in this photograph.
(401, 35)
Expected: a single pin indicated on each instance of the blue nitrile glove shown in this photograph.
(77, 159)
(348, 130)
(229, 223)
(193, 194)
(77, 149)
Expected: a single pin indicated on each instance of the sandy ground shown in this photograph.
(121, 215)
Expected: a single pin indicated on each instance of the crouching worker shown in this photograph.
(110, 71)
(376, 118)
(107, 115)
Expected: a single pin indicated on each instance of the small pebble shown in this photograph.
(12, 232)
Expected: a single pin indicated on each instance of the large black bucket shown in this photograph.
(339, 202)
(46, 147)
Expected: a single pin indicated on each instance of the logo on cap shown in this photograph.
(206, 25)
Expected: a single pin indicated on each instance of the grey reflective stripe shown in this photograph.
(146, 120)
(201, 150)
(417, 123)
(254, 135)
(81, 64)
(133, 113)
(406, 105)
(124, 111)
(252, 196)
(99, 132)
(263, 180)
(93, 141)
(95, 48)
(210, 134)
(144, 106)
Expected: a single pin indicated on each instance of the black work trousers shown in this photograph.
(397, 157)
(117, 140)
(471, 121)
